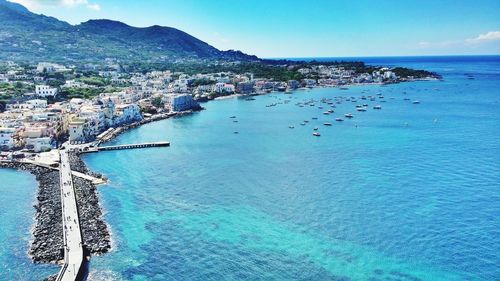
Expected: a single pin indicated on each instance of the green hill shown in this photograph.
(26, 36)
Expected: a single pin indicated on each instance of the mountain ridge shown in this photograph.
(26, 36)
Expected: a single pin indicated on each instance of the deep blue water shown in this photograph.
(409, 192)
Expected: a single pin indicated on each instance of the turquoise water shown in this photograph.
(18, 191)
(409, 192)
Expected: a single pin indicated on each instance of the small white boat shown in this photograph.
(377, 107)
(316, 134)
(339, 119)
(348, 115)
(416, 102)
(327, 124)
(291, 127)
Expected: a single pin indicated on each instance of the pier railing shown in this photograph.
(125, 146)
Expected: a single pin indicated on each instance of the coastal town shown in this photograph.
(44, 105)
(249, 140)
(51, 113)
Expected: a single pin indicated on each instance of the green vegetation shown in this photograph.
(96, 40)
(157, 102)
(259, 69)
(87, 93)
(199, 82)
(95, 81)
(415, 73)
(8, 90)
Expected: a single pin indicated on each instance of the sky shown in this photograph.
(307, 28)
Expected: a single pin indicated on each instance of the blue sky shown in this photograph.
(307, 28)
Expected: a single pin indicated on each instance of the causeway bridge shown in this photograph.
(74, 251)
(76, 256)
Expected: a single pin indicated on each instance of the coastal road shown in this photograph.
(73, 249)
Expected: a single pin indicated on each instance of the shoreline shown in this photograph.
(155, 117)
(46, 241)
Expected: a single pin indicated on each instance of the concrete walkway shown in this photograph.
(73, 245)
(94, 180)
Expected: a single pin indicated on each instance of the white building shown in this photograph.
(37, 103)
(4, 78)
(45, 91)
(127, 113)
(389, 75)
(45, 66)
(180, 102)
(74, 84)
(224, 88)
(76, 128)
(7, 138)
(51, 67)
(38, 144)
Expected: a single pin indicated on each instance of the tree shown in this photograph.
(157, 102)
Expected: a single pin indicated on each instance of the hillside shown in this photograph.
(26, 36)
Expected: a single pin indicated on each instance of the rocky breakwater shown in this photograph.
(95, 232)
(47, 243)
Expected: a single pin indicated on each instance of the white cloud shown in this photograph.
(73, 3)
(434, 45)
(94, 6)
(463, 43)
(39, 4)
(486, 37)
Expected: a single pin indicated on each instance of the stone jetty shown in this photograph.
(47, 240)
(94, 230)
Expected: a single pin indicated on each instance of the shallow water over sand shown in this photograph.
(409, 192)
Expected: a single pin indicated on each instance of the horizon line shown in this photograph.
(383, 56)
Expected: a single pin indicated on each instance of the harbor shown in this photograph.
(76, 235)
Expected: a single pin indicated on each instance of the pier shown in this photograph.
(90, 178)
(133, 146)
(74, 254)
(126, 146)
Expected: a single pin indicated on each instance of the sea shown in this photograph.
(407, 192)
